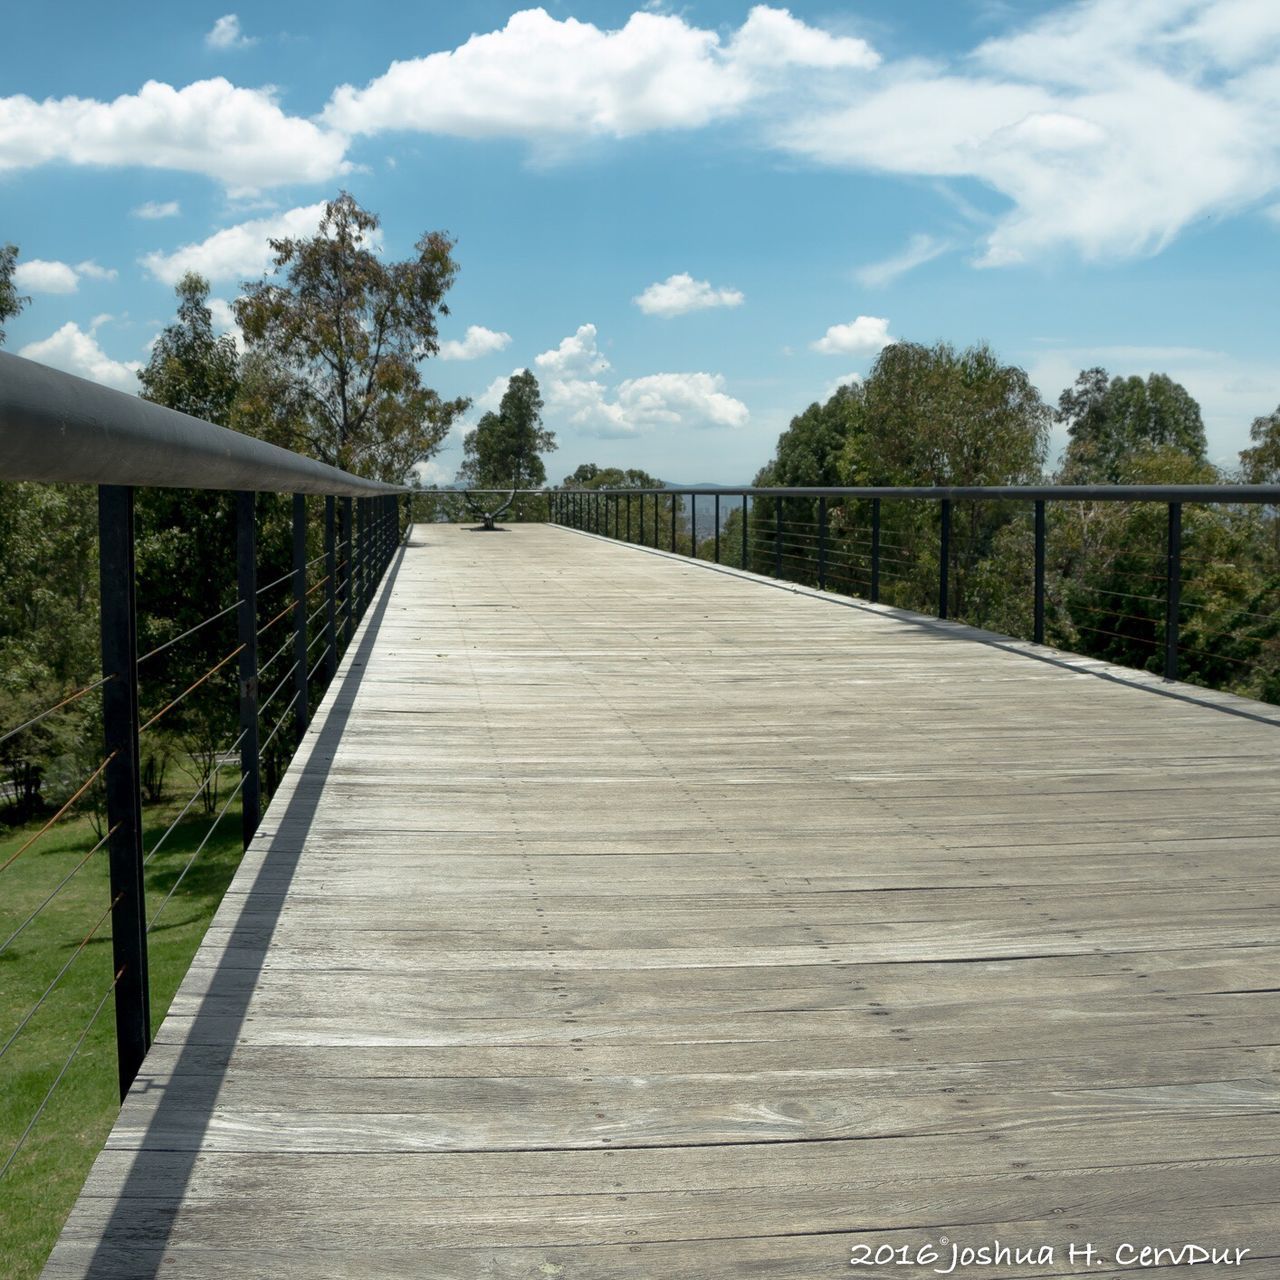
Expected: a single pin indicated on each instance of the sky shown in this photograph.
(690, 221)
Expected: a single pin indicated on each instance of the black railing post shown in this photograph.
(628, 517)
(822, 544)
(300, 603)
(743, 553)
(1173, 591)
(944, 556)
(349, 570)
(875, 550)
(693, 525)
(119, 639)
(641, 539)
(1038, 622)
(657, 527)
(331, 591)
(716, 513)
(777, 537)
(247, 619)
(673, 523)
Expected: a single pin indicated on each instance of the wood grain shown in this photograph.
(623, 918)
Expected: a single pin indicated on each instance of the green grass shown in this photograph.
(42, 1184)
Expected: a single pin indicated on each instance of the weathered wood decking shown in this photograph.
(623, 918)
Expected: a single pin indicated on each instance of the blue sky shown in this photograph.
(690, 221)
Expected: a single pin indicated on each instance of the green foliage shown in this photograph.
(1111, 419)
(40, 1188)
(11, 302)
(48, 639)
(1261, 463)
(938, 416)
(190, 368)
(504, 449)
(343, 334)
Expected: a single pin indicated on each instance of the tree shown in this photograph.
(10, 300)
(346, 331)
(938, 416)
(1109, 419)
(191, 369)
(504, 450)
(941, 416)
(1261, 463)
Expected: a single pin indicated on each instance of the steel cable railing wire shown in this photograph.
(66, 1066)
(191, 688)
(205, 784)
(48, 991)
(190, 631)
(213, 826)
(4, 946)
(266, 702)
(57, 706)
(93, 777)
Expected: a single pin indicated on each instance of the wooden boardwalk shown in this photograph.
(622, 918)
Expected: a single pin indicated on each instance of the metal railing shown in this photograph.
(788, 533)
(56, 428)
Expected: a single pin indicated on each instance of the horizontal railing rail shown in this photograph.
(777, 541)
(57, 428)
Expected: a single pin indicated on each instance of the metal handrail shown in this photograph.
(60, 428)
(1266, 493)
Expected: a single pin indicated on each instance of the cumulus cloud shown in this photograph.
(152, 210)
(919, 250)
(542, 77)
(93, 271)
(42, 276)
(773, 38)
(240, 137)
(226, 34)
(861, 337)
(577, 356)
(1108, 125)
(836, 383)
(234, 253)
(576, 396)
(681, 293)
(478, 341)
(74, 351)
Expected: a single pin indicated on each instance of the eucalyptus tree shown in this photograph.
(342, 332)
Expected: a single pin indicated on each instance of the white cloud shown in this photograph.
(690, 399)
(226, 34)
(93, 271)
(1109, 125)
(479, 341)
(42, 276)
(152, 210)
(919, 250)
(577, 356)
(836, 383)
(74, 351)
(681, 293)
(240, 137)
(773, 38)
(861, 337)
(541, 77)
(574, 395)
(235, 253)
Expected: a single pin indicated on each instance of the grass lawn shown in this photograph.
(38, 1191)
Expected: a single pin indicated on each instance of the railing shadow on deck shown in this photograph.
(138, 1230)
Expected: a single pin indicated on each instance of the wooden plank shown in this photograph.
(621, 918)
